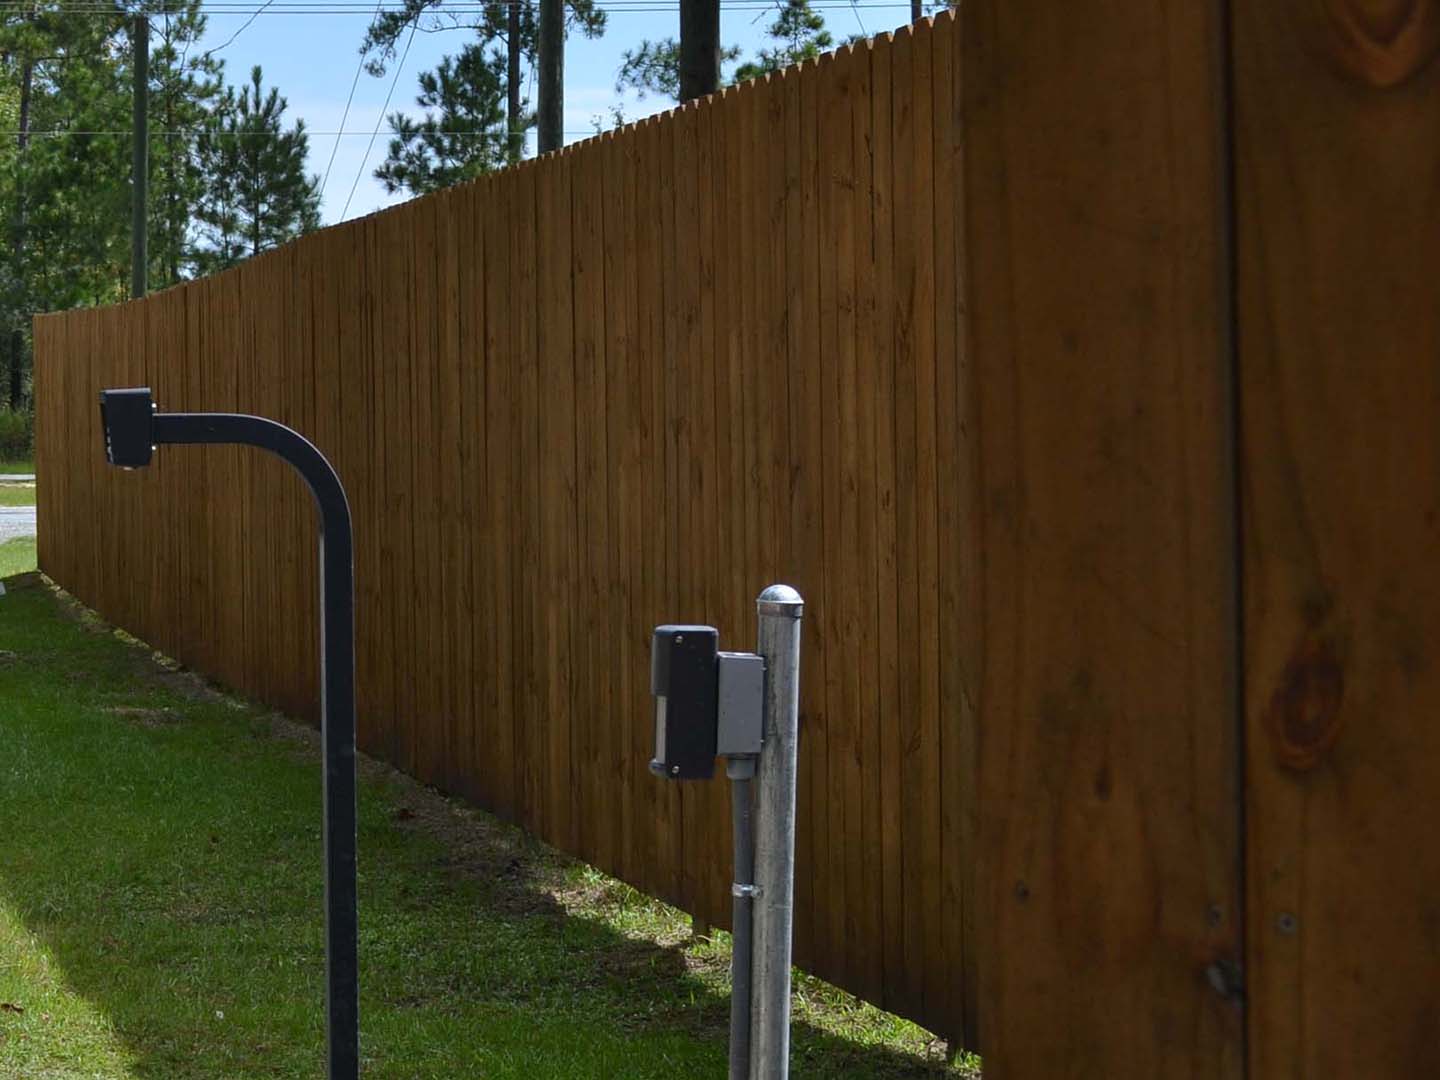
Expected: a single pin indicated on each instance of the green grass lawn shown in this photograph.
(17, 556)
(17, 494)
(21, 467)
(160, 906)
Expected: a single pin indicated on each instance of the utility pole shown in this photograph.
(22, 141)
(699, 48)
(516, 132)
(917, 10)
(552, 75)
(140, 166)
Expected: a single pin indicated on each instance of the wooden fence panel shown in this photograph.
(764, 337)
(1108, 766)
(1339, 330)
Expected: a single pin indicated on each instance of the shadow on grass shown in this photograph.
(160, 866)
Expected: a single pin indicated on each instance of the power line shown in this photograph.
(237, 33)
(359, 67)
(378, 121)
(855, 7)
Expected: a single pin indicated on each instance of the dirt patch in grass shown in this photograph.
(521, 875)
(145, 717)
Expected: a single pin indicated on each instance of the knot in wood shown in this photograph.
(1304, 715)
(1383, 42)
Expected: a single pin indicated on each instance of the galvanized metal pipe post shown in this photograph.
(742, 919)
(780, 609)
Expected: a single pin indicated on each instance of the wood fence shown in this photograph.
(1076, 362)
(628, 384)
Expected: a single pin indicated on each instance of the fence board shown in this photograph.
(1108, 634)
(495, 619)
(958, 513)
(881, 347)
(1338, 333)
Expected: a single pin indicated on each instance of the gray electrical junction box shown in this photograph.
(741, 722)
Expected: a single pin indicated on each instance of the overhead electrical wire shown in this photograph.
(346, 114)
(855, 7)
(230, 40)
(378, 121)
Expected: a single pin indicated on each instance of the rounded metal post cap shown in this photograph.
(780, 600)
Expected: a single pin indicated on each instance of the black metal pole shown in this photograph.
(337, 676)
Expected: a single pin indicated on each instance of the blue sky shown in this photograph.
(312, 59)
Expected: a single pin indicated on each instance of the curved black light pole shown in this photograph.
(133, 430)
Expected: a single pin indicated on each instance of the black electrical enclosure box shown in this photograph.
(683, 677)
(128, 417)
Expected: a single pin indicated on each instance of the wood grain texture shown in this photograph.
(958, 517)
(1095, 284)
(1339, 329)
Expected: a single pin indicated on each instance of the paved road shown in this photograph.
(16, 521)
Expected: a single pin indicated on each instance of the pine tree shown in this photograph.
(801, 35)
(61, 209)
(463, 133)
(653, 67)
(508, 34)
(183, 90)
(256, 192)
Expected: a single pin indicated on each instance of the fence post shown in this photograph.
(780, 609)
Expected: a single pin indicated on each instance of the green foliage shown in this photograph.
(63, 214)
(654, 68)
(800, 34)
(491, 26)
(185, 86)
(65, 197)
(256, 192)
(463, 133)
(16, 433)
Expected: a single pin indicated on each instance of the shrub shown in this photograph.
(15, 433)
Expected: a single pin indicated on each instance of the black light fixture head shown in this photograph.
(128, 417)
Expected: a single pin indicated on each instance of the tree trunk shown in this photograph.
(552, 75)
(699, 48)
